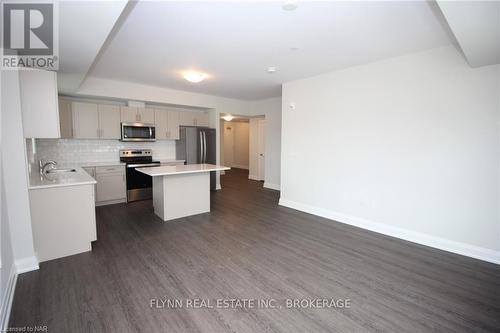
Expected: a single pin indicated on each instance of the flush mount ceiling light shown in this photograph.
(289, 5)
(228, 117)
(195, 77)
(271, 69)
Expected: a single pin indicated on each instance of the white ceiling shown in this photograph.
(235, 42)
(476, 26)
(79, 41)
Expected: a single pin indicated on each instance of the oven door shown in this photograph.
(139, 185)
(138, 132)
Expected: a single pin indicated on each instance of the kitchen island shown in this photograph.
(181, 190)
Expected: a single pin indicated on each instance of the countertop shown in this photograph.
(79, 177)
(118, 163)
(170, 170)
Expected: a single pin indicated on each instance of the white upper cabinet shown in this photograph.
(201, 119)
(65, 118)
(85, 120)
(39, 103)
(161, 124)
(186, 118)
(167, 124)
(109, 121)
(173, 125)
(95, 121)
(129, 114)
(191, 118)
(146, 115)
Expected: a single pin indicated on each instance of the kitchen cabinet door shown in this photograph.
(39, 103)
(65, 118)
(129, 114)
(161, 124)
(110, 186)
(187, 118)
(173, 125)
(146, 115)
(201, 119)
(85, 120)
(109, 121)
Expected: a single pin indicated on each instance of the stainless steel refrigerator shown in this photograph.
(196, 145)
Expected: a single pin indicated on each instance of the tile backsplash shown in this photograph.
(81, 151)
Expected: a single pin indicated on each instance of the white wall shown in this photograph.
(15, 173)
(253, 163)
(7, 264)
(235, 143)
(271, 109)
(408, 146)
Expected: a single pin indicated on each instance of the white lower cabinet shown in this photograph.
(111, 184)
(51, 211)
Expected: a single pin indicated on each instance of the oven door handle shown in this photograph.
(143, 165)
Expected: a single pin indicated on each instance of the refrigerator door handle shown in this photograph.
(201, 147)
(205, 146)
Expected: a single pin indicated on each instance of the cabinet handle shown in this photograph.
(167, 133)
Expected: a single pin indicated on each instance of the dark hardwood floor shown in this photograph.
(249, 247)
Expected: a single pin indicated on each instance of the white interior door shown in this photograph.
(261, 148)
(228, 145)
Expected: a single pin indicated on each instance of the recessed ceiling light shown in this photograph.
(271, 69)
(195, 77)
(289, 5)
(228, 117)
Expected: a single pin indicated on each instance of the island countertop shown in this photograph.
(170, 170)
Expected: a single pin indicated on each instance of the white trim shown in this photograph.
(26, 265)
(110, 202)
(8, 297)
(272, 186)
(253, 177)
(412, 236)
(218, 187)
(239, 166)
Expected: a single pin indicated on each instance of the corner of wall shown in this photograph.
(8, 298)
(26, 265)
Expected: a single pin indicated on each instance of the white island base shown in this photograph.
(181, 190)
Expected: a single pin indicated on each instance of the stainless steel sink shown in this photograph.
(60, 170)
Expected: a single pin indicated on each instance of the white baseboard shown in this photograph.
(26, 265)
(253, 177)
(110, 202)
(272, 186)
(7, 299)
(408, 235)
(239, 166)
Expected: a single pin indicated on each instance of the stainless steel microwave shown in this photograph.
(138, 132)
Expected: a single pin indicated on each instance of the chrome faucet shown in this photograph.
(42, 165)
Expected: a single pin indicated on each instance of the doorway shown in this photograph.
(243, 144)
